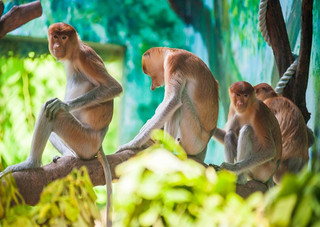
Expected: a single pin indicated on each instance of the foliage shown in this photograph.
(156, 188)
(25, 84)
(296, 201)
(9, 195)
(66, 202)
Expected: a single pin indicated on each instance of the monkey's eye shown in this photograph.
(64, 37)
(55, 36)
(245, 95)
(238, 95)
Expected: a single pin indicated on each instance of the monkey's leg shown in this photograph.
(39, 140)
(60, 145)
(194, 138)
(230, 150)
(57, 142)
(244, 149)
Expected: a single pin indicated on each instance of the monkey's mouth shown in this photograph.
(58, 53)
(241, 108)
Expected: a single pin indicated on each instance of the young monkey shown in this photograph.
(252, 137)
(77, 125)
(293, 129)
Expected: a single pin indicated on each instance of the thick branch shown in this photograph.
(18, 16)
(279, 39)
(31, 182)
(301, 82)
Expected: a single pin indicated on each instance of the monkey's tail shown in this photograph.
(107, 173)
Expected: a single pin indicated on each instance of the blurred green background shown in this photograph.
(224, 33)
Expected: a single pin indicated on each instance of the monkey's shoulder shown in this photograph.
(87, 54)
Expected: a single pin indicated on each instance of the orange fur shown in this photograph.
(190, 108)
(77, 125)
(293, 130)
(262, 156)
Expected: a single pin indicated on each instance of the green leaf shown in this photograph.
(303, 212)
(149, 217)
(168, 143)
(177, 195)
(69, 210)
(281, 212)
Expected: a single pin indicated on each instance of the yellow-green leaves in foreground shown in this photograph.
(65, 202)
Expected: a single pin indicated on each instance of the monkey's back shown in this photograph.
(293, 127)
(201, 86)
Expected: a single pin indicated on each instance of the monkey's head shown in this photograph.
(241, 95)
(153, 65)
(264, 91)
(62, 39)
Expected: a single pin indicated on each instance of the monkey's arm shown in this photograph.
(106, 87)
(254, 154)
(165, 111)
(95, 96)
(247, 164)
(219, 134)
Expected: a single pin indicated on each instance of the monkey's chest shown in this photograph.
(75, 89)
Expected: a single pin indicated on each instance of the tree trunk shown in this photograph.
(296, 88)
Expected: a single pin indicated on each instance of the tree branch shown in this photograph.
(297, 86)
(31, 182)
(18, 16)
(301, 82)
(279, 39)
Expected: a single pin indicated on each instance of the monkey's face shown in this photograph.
(58, 44)
(241, 95)
(240, 102)
(62, 40)
(152, 65)
(156, 81)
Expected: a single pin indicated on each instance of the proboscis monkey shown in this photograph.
(293, 129)
(77, 125)
(189, 110)
(252, 137)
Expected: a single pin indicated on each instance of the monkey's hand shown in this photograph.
(230, 166)
(21, 166)
(52, 107)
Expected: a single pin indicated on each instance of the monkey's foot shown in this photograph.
(18, 167)
(3, 173)
(242, 179)
(228, 166)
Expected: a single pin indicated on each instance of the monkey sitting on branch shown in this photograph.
(294, 130)
(77, 125)
(252, 137)
(189, 110)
